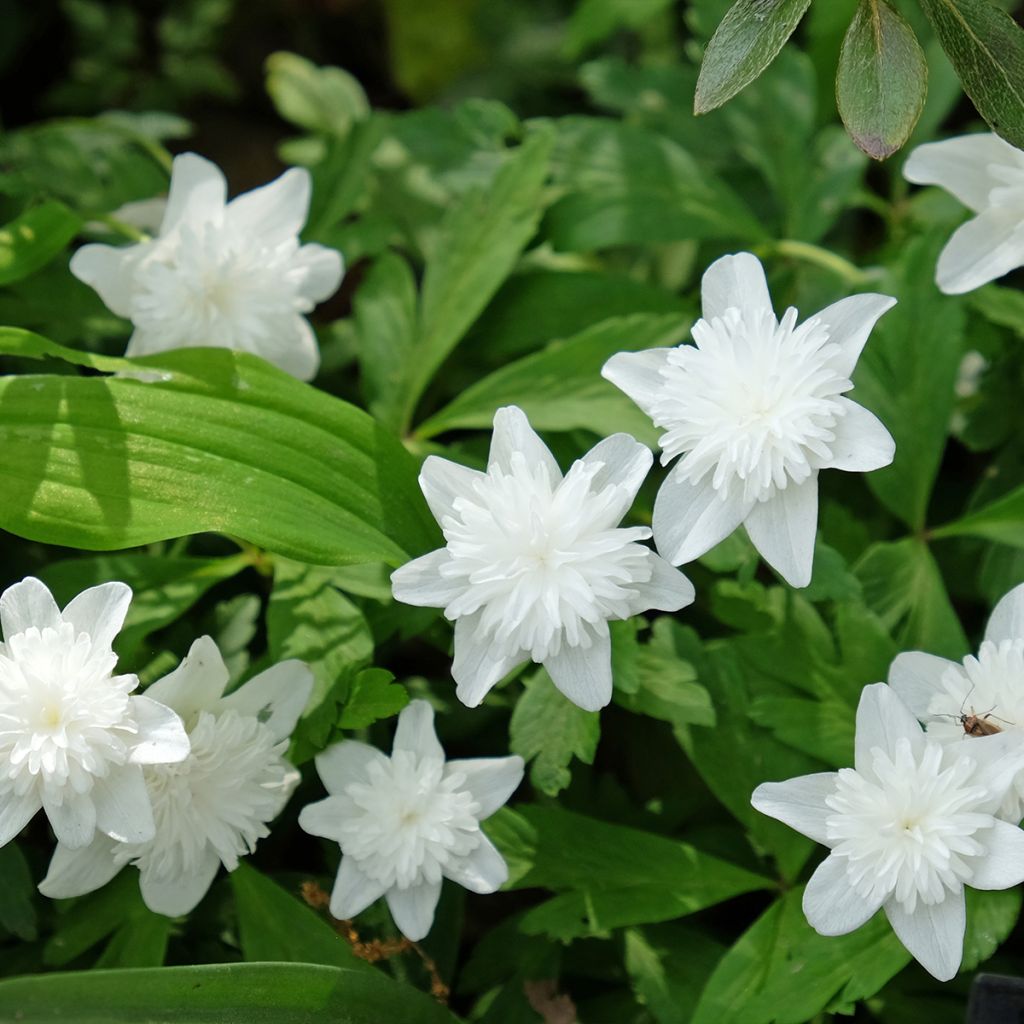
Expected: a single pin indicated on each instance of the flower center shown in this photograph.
(411, 819)
(753, 402)
(906, 827)
(543, 562)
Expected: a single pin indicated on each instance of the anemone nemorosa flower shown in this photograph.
(754, 409)
(73, 739)
(986, 174)
(213, 807)
(406, 821)
(222, 274)
(908, 827)
(535, 563)
(982, 694)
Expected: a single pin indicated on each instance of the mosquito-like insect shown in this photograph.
(974, 724)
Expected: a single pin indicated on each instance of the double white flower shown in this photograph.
(535, 563)
(223, 274)
(406, 821)
(73, 741)
(754, 409)
(214, 806)
(986, 174)
(908, 827)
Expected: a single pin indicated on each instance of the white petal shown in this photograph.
(982, 250)
(292, 347)
(73, 819)
(413, 908)
(415, 731)
(420, 582)
(142, 343)
(915, 677)
(15, 813)
(277, 697)
(625, 462)
(882, 720)
(962, 166)
(100, 612)
(178, 895)
(490, 780)
(443, 481)
(123, 808)
(321, 271)
(325, 818)
(690, 519)
(638, 374)
(584, 674)
(1002, 865)
(831, 906)
(276, 211)
(1000, 759)
(25, 604)
(353, 890)
(933, 934)
(110, 272)
(862, 442)
(483, 870)
(161, 738)
(783, 529)
(850, 321)
(198, 192)
(667, 590)
(799, 803)
(345, 763)
(513, 433)
(76, 872)
(478, 664)
(1007, 619)
(197, 684)
(735, 281)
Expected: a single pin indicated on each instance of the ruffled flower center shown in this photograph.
(753, 402)
(64, 720)
(907, 827)
(411, 819)
(544, 562)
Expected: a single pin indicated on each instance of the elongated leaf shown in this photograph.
(1001, 521)
(986, 47)
(882, 80)
(744, 44)
(207, 440)
(267, 993)
(17, 911)
(33, 239)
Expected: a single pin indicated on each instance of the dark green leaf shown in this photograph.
(17, 911)
(1001, 521)
(372, 696)
(33, 239)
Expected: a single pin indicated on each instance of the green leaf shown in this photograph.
(17, 910)
(326, 100)
(594, 20)
(141, 941)
(607, 875)
(561, 387)
(991, 916)
(267, 993)
(1002, 306)
(986, 47)
(274, 924)
(33, 239)
(549, 730)
(822, 728)
(1002, 520)
(199, 440)
(372, 696)
(882, 79)
(744, 44)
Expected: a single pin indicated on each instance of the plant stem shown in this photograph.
(810, 253)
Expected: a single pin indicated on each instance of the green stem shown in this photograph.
(125, 230)
(810, 253)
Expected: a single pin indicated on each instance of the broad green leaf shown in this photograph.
(274, 924)
(903, 586)
(607, 875)
(33, 239)
(781, 971)
(561, 387)
(549, 730)
(744, 44)
(822, 728)
(1001, 521)
(199, 440)
(991, 916)
(319, 99)
(594, 20)
(17, 910)
(340, 178)
(372, 696)
(140, 941)
(267, 993)
(986, 47)
(882, 79)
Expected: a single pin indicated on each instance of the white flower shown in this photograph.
(535, 564)
(72, 738)
(405, 822)
(908, 828)
(983, 693)
(986, 174)
(228, 275)
(755, 408)
(213, 807)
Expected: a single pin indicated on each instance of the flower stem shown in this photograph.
(122, 228)
(810, 253)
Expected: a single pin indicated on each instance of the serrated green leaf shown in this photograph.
(372, 696)
(882, 79)
(30, 241)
